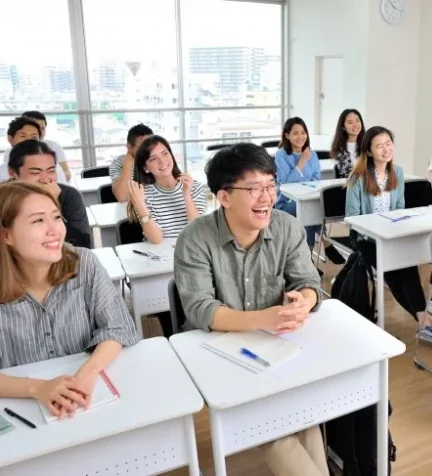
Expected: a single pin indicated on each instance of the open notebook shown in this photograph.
(104, 389)
(271, 348)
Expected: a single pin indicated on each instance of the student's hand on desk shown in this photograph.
(292, 316)
(53, 189)
(61, 395)
(84, 381)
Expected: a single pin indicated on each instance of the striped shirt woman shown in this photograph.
(67, 305)
(163, 199)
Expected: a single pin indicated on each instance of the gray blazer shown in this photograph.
(358, 202)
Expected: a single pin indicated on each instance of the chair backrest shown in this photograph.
(129, 232)
(333, 199)
(216, 147)
(106, 194)
(178, 317)
(323, 154)
(418, 193)
(102, 171)
(270, 143)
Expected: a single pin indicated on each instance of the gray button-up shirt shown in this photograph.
(76, 316)
(211, 269)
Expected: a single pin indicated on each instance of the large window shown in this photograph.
(196, 71)
(36, 69)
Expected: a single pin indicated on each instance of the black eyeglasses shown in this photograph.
(257, 192)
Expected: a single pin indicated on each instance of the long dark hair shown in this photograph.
(143, 155)
(365, 166)
(289, 124)
(340, 138)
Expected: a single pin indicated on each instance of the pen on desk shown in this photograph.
(19, 417)
(251, 355)
(147, 255)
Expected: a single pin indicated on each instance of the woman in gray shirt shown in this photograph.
(55, 300)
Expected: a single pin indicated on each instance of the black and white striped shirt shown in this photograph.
(168, 207)
(76, 316)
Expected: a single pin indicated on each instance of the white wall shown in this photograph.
(423, 127)
(327, 28)
(392, 77)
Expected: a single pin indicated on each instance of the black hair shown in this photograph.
(143, 154)
(289, 124)
(138, 131)
(341, 137)
(230, 164)
(20, 151)
(35, 115)
(19, 122)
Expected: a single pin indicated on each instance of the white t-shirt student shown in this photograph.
(60, 156)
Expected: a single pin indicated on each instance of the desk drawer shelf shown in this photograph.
(152, 450)
(264, 420)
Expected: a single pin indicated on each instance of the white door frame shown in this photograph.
(318, 89)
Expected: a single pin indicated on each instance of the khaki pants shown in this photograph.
(301, 454)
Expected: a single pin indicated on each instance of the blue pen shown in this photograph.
(253, 356)
(401, 218)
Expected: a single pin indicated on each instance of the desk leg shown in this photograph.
(382, 421)
(217, 443)
(191, 446)
(380, 282)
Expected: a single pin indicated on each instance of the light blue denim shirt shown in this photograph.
(287, 172)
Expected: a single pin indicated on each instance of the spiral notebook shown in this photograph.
(104, 390)
(273, 349)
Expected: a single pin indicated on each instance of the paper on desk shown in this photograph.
(402, 214)
(270, 347)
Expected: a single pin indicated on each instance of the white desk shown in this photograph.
(398, 244)
(149, 430)
(341, 367)
(108, 216)
(307, 197)
(148, 278)
(111, 263)
(89, 188)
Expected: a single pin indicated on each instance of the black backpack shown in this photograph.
(352, 284)
(353, 436)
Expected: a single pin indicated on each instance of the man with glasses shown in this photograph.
(247, 266)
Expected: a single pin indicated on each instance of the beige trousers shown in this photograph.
(301, 454)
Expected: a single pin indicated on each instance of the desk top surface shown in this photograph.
(91, 184)
(334, 340)
(109, 214)
(377, 226)
(154, 387)
(308, 190)
(138, 266)
(303, 191)
(110, 262)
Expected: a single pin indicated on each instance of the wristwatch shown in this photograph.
(145, 219)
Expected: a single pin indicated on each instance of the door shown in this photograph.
(328, 93)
